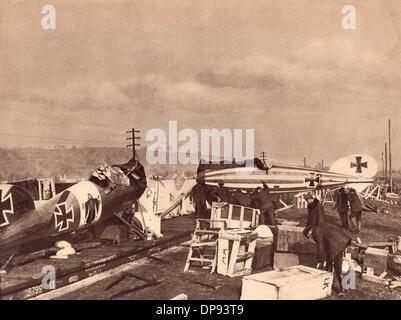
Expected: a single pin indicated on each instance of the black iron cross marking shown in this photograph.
(312, 179)
(63, 216)
(359, 164)
(6, 206)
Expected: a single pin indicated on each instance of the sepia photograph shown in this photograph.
(214, 150)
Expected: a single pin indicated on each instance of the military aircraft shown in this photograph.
(109, 190)
(355, 171)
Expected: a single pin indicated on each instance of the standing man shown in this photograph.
(242, 198)
(342, 206)
(331, 241)
(356, 210)
(222, 194)
(198, 195)
(266, 205)
(316, 216)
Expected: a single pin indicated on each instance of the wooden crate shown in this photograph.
(234, 216)
(291, 239)
(289, 259)
(264, 252)
(376, 259)
(236, 249)
(293, 283)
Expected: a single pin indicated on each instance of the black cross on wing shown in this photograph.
(313, 177)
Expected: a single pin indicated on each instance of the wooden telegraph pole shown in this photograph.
(385, 161)
(133, 140)
(389, 155)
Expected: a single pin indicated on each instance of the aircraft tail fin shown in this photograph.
(358, 165)
(14, 202)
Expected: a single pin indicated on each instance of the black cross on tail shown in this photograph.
(6, 206)
(359, 164)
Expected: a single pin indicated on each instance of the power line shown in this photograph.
(52, 125)
(54, 138)
(46, 116)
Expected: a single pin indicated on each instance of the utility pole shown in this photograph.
(385, 161)
(389, 155)
(304, 162)
(322, 165)
(133, 139)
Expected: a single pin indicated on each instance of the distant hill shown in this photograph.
(24, 163)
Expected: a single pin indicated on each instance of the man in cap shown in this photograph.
(356, 210)
(331, 241)
(198, 195)
(242, 198)
(222, 194)
(266, 205)
(341, 205)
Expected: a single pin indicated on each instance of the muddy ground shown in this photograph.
(173, 281)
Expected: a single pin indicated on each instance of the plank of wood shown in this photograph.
(88, 281)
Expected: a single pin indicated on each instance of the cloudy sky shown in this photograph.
(284, 68)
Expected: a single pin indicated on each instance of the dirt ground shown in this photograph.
(173, 281)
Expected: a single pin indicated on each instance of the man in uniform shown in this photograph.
(331, 241)
(222, 194)
(342, 206)
(198, 195)
(266, 205)
(356, 210)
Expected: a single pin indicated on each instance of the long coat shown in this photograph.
(330, 240)
(222, 193)
(265, 199)
(355, 202)
(315, 214)
(342, 202)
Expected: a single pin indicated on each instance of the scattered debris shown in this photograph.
(129, 291)
(211, 286)
(181, 296)
(376, 259)
(377, 279)
(114, 282)
(127, 275)
(396, 283)
(7, 265)
(65, 249)
(160, 260)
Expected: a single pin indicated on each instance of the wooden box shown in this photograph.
(236, 249)
(264, 252)
(376, 259)
(291, 239)
(293, 283)
(289, 259)
(234, 216)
